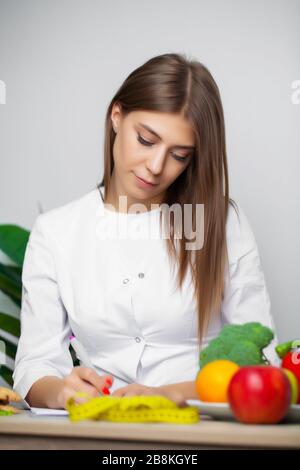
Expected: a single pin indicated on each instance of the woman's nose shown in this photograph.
(156, 162)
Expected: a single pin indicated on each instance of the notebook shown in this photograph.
(48, 411)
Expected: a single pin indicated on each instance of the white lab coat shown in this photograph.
(118, 296)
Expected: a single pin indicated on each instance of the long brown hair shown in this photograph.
(171, 83)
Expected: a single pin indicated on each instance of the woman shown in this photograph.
(142, 307)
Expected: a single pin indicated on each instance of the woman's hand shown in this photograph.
(83, 379)
(138, 389)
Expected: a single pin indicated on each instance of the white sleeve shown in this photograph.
(43, 347)
(246, 297)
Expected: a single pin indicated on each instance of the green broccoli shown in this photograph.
(242, 344)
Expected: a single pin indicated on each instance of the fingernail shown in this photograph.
(105, 391)
(108, 381)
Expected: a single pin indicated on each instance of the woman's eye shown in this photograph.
(181, 159)
(143, 141)
(148, 144)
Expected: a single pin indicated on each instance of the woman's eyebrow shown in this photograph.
(158, 136)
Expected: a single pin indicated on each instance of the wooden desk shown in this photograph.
(28, 431)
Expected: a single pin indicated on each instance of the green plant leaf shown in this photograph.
(10, 348)
(12, 274)
(10, 324)
(17, 270)
(13, 242)
(6, 374)
(11, 288)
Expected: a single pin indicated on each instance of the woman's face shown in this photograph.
(158, 157)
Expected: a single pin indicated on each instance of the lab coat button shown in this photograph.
(138, 340)
(141, 275)
(125, 281)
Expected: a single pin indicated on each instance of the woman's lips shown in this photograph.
(144, 184)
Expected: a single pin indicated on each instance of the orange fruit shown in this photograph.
(213, 379)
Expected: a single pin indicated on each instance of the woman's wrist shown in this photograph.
(187, 389)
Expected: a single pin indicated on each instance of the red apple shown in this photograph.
(259, 394)
(291, 361)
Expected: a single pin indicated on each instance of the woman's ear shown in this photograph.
(116, 115)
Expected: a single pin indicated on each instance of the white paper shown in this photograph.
(48, 411)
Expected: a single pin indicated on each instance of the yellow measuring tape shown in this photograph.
(137, 409)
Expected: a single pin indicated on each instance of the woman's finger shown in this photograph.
(100, 382)
(82, 386)
(177, 397)
(134, 394)
(120, 392)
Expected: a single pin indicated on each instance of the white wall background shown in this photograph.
(62, 61)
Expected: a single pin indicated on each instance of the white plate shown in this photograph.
(223, 410)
